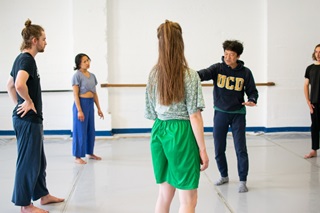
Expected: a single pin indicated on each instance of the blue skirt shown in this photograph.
(83, 135)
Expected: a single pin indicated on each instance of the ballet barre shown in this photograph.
(143, 85)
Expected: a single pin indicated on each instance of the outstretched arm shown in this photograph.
(208, 73)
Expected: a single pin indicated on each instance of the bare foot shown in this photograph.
(80, 161)
(312, 154)
(94, 157)
(50, 199)
(32, 209)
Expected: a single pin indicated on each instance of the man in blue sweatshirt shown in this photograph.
(232, 80)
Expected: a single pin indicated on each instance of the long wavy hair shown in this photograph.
(171, 65)
(28, 33)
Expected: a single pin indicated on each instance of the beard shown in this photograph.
(40, 49)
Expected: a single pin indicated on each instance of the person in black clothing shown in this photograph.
(25, 91)
(312, 79)
(232, 80)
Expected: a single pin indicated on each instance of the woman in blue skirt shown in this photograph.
(85, 96)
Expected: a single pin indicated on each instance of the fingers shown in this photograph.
(249, 103)
(24, 108)
(204, 161)
(204, 167)
(81, 117)
(100, 115)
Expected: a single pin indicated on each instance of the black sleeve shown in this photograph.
(27, 64)
(307, 73)
(251, 89)
(208, 73)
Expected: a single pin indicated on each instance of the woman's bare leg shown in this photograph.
(166, 194)
(188, 200)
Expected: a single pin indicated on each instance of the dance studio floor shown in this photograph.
(280, 179)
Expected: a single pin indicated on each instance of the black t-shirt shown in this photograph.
(26, 62)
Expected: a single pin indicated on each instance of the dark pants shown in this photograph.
(237, 122)
(30, 179)
(315, 126)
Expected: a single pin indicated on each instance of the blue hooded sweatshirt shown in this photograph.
(230, 85)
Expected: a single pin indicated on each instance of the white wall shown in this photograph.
(90, 36)
(133, 46)
(71, 27)
(120, 38)
(292, 36)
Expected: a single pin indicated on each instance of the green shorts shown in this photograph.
(175, 154)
